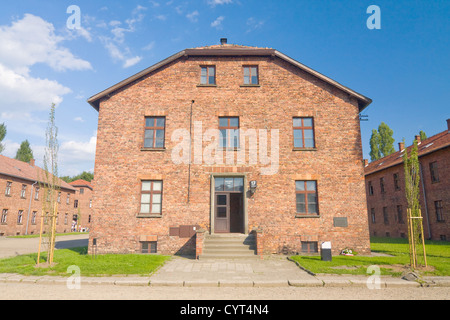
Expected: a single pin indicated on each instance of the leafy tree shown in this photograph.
(386, 139)
(375, 152)
(423, 135)
(24, 153)
(87, 176)
(2, 136)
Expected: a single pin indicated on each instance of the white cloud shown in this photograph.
(131, 61)
(218, 22)
(214, 3)
(193, 16)
(78, 119)
(253, 24)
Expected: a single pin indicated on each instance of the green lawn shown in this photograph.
(101, 265)
(438, 258)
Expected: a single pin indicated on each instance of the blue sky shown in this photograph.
(404, 66)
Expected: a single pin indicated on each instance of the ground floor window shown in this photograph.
(309, 247)
(149, 247)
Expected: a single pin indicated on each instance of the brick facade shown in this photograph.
(390, 207)
(284, 91)
(83, 203)
(21, 211)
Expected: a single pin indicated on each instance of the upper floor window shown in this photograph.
(36, 193)
(154, 132)
(229, 132)
(251, 75)
(208, 75)
(382, 185)
(306, 197)
(303, 133)
(370, 187)
(396, 181)
(8, 188)
(434, 172)
(23, 191)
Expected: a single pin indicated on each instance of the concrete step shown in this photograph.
(229, 246)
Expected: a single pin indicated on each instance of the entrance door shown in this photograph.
(222, 212)
(228, 205)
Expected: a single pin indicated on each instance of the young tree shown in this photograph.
(423, 135)
(386, 139)
(375, 152)
(415, 227)
(24, 153)
(2, 136)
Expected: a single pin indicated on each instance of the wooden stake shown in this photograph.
(40, 237)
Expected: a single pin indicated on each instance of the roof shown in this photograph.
(227, 50)
(23, 170)
(81, 183)
(427, 146)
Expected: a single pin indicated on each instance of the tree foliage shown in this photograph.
(381, 142)
(87, 176)
(2, 136)
(24, 153)
(375, 152)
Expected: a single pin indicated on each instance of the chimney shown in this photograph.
(31, 162)
(223, 41)
(401, 146)
(418, 139)
(366, 162)
(448, 125)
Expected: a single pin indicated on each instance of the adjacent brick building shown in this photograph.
(385, 187)
(82, 203)
(223, 107)
(22, 196)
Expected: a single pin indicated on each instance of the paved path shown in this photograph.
(10, 247)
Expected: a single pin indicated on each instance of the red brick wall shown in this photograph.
(84, 208)
(15, 202)
(284, 92)
(391, 198)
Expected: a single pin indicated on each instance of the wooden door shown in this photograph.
(222, 213)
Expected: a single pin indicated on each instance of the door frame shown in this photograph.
(213, 196)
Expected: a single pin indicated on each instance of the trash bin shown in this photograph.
(325, 251)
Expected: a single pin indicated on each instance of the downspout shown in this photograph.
(425, 200)
(190, 152)
(29, 207)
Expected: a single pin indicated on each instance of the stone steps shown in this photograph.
(229, 246)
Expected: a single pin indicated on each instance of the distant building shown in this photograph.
(385, 189)
(21, 199)
(82, 203)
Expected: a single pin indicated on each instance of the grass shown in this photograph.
(438, 259)
(101, 265)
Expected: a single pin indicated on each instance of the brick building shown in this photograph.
(385, 187)
(275, 151)
(21, 200)
(82, 203)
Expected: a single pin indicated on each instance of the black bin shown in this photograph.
(325, 251)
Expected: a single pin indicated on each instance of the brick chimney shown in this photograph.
(401, 146)
(417, 137)
(366, 162)
(223, 41)
(31, 162)
(448, 125)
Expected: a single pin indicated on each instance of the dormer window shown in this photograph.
(208, 75)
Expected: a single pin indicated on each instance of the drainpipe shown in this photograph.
(425, 200)
(29, 207)
(190, 152)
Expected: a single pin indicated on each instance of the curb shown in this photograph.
(326, 282)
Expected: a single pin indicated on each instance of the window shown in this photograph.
(396, 182)
(229, 132)
(151, 197)
(59, 197)
(75, 203)
(309, 247)
(68, 198)
(20, 217)
(4, 216)
(33, 217)
(385, 215)
(81, 190)
(372, 215)
(229, 184)
(23, 192)
(303, 133)
(251, 75)
(154, 132)
(90, 203)
(36, 193)
(434, 172)
(400, 214)
(382, 185)
(149, 247)
(438, 210)
(66, 216)
(8, 188)
(208, 75)
(370, 187)
(306, 197)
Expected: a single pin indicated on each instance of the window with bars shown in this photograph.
(306, 197)
(303, 133)
(251, 75)
(154, 132)
(151, 197)
(149, 247)
(229, 132)
(208, 75)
